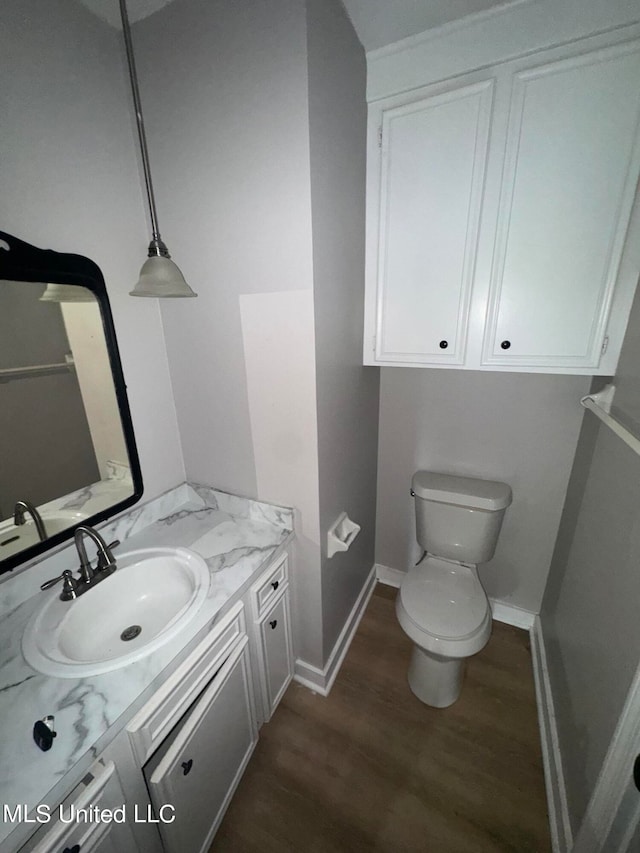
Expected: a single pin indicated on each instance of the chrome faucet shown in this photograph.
(19, 512)
(106, 562)
(89, 576)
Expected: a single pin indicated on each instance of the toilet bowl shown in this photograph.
(443, 608)
(441, 604)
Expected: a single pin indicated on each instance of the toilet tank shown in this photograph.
(459, 518)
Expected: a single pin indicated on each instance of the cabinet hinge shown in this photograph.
(380, 137)
(605, 344)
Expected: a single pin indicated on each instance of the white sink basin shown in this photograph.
(150, 597)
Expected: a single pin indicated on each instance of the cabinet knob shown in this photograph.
(273, 623)
(275, 584)
(186, 766)
(505, 344)
(444, 344)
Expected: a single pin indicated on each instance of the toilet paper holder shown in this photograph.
(341, 534)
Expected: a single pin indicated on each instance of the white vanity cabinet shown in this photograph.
(498, 210)
(272, 645)
(181, 757)
(99, 790)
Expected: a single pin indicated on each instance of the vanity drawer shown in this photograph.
(269, 586)
(152, 724)
(99, 790)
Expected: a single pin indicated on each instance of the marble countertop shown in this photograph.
(237, 538)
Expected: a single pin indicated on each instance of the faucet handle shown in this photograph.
(105, 558)
(69, 584)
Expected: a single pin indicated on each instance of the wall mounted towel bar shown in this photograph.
(600, 405)
(10, 374)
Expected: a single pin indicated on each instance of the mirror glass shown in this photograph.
(67, 453)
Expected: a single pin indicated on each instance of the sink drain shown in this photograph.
(130, 633)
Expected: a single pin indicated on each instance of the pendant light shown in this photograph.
(159, 276)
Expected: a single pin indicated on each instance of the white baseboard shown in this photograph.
(321, 680)
(389, 576)
(561, 835)
(512, 615)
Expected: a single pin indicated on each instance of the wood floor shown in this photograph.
(370, 768)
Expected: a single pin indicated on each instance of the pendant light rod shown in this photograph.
(157, 245)
(159, 276)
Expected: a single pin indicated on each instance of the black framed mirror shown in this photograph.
(67, 448)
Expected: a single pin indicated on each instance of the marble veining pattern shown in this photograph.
(235, 547)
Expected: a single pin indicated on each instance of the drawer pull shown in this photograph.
(273, 623)
(275, 584)
(74, 849)
(186, 766)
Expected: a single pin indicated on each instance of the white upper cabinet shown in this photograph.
(432, 173)
(498, 215)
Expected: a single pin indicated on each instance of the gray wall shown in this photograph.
(261, 408)
(227, 122)
(517, 427)
(590, 610)
(347, 392)
(228, 129)
(70, 182)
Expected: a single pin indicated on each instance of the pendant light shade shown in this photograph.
(159, 276)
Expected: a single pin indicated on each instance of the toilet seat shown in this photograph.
(444, 609)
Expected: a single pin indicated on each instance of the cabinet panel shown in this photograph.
(432, 173)
(571, 167)
(275, 636)
(198, 770)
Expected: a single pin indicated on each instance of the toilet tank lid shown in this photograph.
(464, 491)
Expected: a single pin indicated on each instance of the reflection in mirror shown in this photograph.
(65, 452)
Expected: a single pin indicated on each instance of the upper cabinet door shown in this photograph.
(571, 168)
(432, 165)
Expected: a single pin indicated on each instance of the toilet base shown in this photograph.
(434, 680)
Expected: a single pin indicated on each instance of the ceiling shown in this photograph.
(109, 10)
(377, 22)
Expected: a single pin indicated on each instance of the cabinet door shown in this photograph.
(197, 772)
(571, 168)
(277, 655)
(433, 162)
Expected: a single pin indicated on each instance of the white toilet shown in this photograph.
(441, 604)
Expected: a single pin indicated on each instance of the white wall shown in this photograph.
(228, 126)
(520, 428)
(70, 182)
